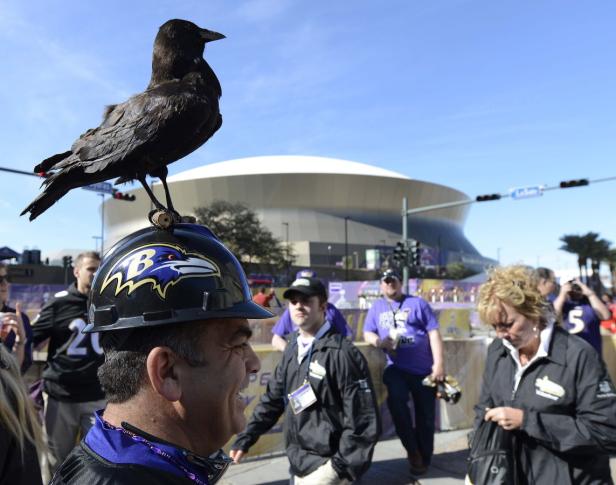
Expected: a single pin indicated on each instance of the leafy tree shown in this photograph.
(239, 228)
(457, 271)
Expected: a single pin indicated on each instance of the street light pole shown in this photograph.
(346, 248)
(96, 239)
(286, 226)
(102, 222)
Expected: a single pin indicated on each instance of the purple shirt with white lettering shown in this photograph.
(580, 319)
(285, 325)
(415, 318)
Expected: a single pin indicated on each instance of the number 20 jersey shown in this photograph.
(73, 357)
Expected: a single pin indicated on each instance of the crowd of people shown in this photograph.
(147, 362)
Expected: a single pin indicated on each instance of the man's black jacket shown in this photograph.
(84, 466)
(73, 358)
(343, 425)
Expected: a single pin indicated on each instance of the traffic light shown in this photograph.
(566, 184)
(487, 197)
(415, 253)
(400, 252)
(67, 261)
(122, 196)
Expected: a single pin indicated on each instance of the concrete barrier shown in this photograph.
(464, 359)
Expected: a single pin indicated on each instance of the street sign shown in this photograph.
(526, 192)
(101, 188)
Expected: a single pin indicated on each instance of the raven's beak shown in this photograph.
(210, 35)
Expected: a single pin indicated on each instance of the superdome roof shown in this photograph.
(284, 164)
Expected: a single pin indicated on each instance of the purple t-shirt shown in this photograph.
(414, 317)
(285, 325)
(580, 319)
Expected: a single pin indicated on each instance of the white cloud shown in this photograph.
(48, 59)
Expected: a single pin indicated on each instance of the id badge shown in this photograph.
(302, 398)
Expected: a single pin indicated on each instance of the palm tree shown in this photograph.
(578, 245)
(599, 252)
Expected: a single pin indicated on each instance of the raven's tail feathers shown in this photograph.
(43, 202)
(55, 188)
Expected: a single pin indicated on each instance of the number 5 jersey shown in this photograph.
(580, 319)
(73, 357)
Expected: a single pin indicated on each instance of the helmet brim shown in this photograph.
(249, 310)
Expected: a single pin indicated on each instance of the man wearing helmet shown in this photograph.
(171, 309)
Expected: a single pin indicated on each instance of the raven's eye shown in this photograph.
(171, 257)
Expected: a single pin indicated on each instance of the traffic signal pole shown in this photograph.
(519, 193)
(101, 189)
(565, 184)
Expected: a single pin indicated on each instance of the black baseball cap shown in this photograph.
(390, 273)
(307, 287)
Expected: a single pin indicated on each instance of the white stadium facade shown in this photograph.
(313, 203)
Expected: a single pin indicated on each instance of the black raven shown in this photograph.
(176, 114)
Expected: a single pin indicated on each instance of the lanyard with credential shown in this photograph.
(284, 381)
(395, 311)
(161, 453)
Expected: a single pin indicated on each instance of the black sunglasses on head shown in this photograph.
(389, 279)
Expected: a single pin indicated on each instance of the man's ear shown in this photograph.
(162, 372)
(323, 306)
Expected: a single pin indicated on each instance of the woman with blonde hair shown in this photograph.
(21, 438)
(548, 388)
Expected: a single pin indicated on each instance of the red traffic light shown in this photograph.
(122, 196)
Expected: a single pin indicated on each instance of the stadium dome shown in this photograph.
(314, 202)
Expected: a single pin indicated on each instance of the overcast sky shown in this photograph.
(481, 96)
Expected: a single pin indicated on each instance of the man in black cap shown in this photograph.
(405, 327)
(331, 424)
